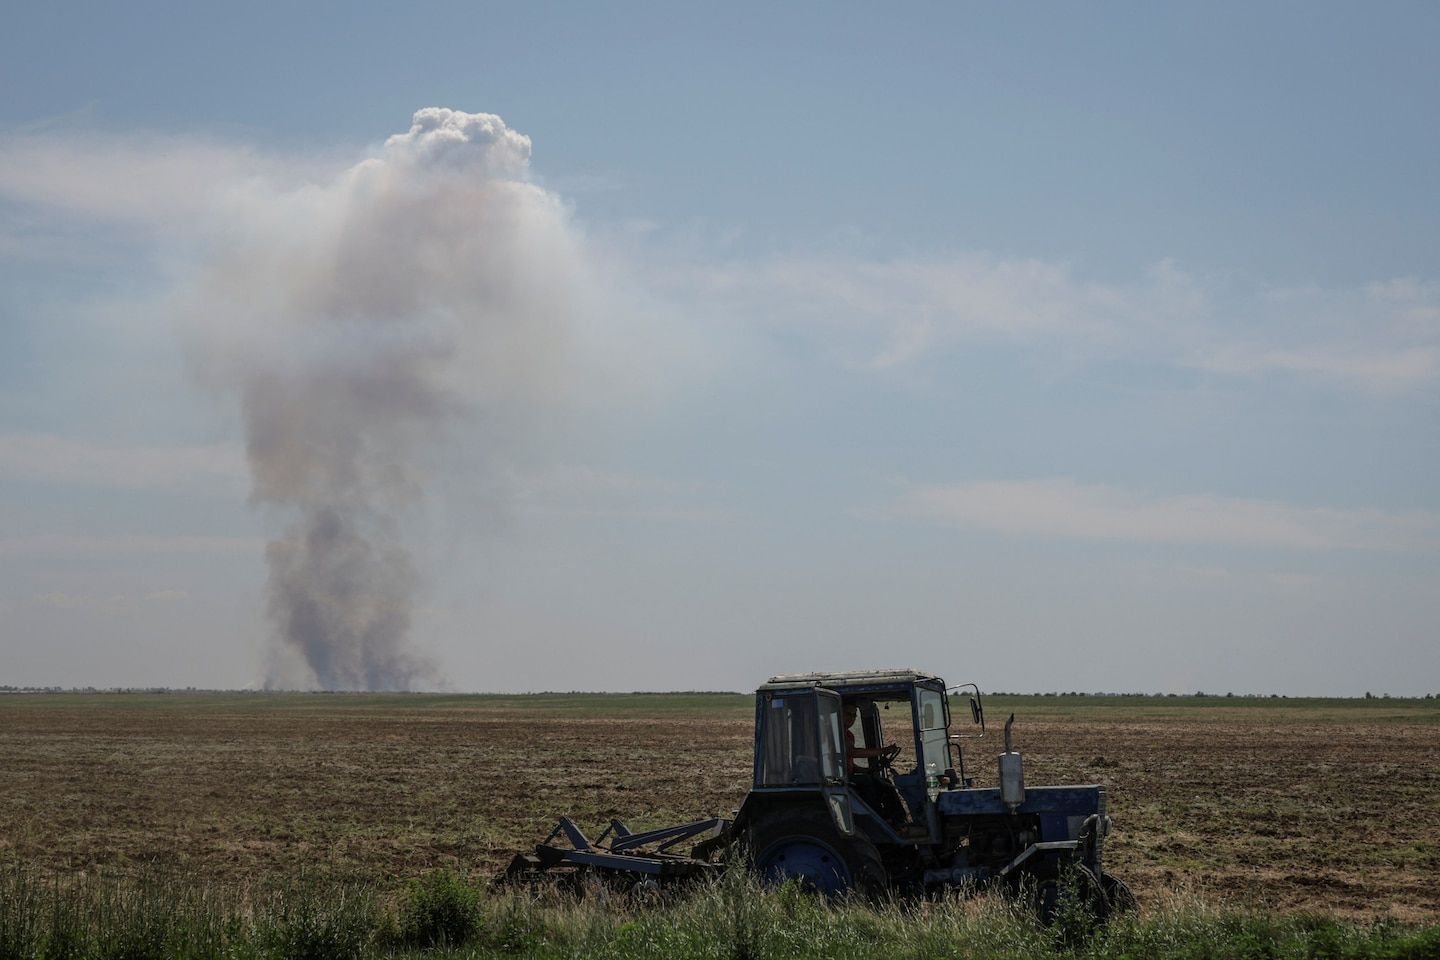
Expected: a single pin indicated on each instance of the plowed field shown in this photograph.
(1322, 805)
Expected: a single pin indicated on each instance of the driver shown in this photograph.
(870, 784)
(852, 752)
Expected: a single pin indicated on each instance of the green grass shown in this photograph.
(1204, 709)
(444, 916)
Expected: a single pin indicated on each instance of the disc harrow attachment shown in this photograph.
(619, 853)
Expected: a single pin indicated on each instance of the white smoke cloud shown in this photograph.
(473, 142)
(358, 323)
(407, 331)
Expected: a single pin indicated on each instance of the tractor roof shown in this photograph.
(851, 678)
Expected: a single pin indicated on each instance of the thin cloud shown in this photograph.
(580, 480)
(140, 180)
(583, 491)
(1382, 337)
(59, 600)
(106, 603)
(52, 545)
(56, 459)
(1063, 508)
(965, 296)
(1380, 369)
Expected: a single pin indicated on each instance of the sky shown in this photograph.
(1044, 347)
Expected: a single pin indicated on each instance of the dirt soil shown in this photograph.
(1294, 809)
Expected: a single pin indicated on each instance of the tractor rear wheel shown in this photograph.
(804, 845)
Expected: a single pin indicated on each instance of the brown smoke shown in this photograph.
(356, 322)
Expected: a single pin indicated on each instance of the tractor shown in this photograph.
(861, 785)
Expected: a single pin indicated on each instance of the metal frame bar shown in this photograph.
(670, 835)
(619, 856)
(1036, 848)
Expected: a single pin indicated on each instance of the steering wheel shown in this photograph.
(887, 756)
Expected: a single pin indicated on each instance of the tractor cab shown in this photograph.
(877, 744)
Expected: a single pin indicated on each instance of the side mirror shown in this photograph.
(977, 711)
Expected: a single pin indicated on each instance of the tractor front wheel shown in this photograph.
(1118, 892)
(1055, 891)
(804, 845)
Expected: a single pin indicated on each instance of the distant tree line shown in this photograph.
(1198, 694)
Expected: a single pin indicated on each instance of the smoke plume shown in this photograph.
(358, 321)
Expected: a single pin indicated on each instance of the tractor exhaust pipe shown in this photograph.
(1012, 773)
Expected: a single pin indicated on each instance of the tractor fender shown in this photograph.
(735, 832)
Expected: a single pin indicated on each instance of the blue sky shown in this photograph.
(1053, 348)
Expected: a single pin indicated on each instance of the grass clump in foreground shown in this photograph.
(445, 916)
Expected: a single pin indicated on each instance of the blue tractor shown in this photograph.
(860, 784)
